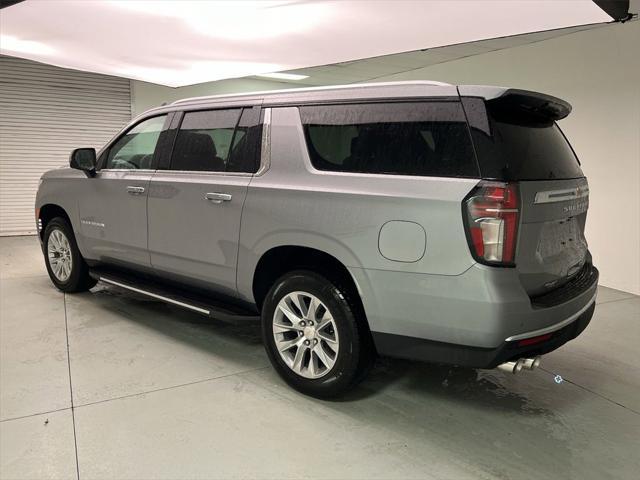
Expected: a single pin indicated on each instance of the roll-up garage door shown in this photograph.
(45, 112)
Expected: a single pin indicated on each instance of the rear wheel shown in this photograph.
(313, 335)
(66, 267)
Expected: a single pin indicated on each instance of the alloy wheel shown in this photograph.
(59, 254)
(305, 334)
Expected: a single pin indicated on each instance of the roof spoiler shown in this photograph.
(536, 103)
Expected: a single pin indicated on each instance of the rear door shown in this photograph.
(197, 195)
(113, 208)
(517, 140)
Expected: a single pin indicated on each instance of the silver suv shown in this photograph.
(419, 220)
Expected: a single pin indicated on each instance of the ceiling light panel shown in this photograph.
(283, 76)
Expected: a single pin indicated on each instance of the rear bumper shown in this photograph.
(438, 352)
(474, 319)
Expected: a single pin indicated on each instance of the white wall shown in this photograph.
(147, 95)
(598, 72)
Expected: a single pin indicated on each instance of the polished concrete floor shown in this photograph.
(112, 385)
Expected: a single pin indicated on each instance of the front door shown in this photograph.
(195, 201)
(113, 209)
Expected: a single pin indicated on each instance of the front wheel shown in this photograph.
(65, 265)
(313, 335)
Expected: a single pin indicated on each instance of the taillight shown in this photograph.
(491, 212)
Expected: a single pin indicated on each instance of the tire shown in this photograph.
(70, 273)
(336, 356)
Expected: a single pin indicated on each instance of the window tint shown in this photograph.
(421, 138)
(134, 150)
(204, 140)
(245, 152)
(516, 143)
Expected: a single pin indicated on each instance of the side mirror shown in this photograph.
(84, 159)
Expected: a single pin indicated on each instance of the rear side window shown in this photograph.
(217, 141)
(204, 140)
(245, 151)
(418, 138)
(514, 143)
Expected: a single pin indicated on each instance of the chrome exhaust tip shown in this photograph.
(531, 363)
(517, 366)
(511, 367)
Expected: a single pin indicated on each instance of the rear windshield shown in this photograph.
(411, 138)
(514, 144)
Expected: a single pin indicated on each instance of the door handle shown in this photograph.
(135, 190)
(218, 197)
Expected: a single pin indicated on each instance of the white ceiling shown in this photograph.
(181, 43)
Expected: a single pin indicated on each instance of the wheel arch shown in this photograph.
(281, 259)
(48, 212)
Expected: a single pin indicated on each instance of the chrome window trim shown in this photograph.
(555, 327)
(265, 143)
(205, 172)
(315, 171)
(133, 170)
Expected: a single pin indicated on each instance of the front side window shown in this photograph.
(134, 150)
(205, 140)
(417, 138)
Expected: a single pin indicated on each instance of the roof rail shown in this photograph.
(313, 89)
